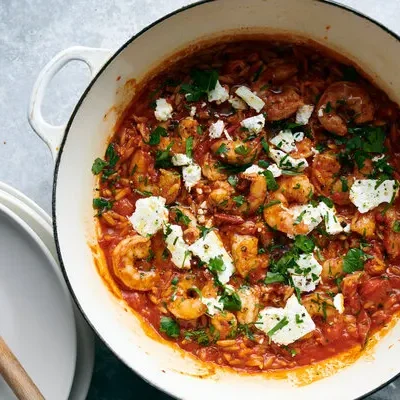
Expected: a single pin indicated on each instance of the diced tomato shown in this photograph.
(123, 207)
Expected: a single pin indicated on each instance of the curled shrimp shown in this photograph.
(183, 301)
(282, 105)
(325, 175)
(391, 239)
(245, 254)
(188, 222)
(142, 165)
(257, 193)
(319, 304)
(276, 72)
(211, 171)
(332, 269)
(278, 216)
(250, 298)
(225, 324)
(304, 149)
(221, 196)
(126, 265)
(348, 99)
(364, 224)
(296, 189)
(169, 185)
(235, 152)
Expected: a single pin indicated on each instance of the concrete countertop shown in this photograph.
(31, 33)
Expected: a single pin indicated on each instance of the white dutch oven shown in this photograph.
(84, 138)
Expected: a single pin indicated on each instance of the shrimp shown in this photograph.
(320, 304)
(276, 72)
(142, 165)
(235, 152)
(278, 216)
(187, 128)
(225, 324)
(325, 175)
(257, 193)
(282, 105)
(250, 305)
(245, 254)
(305, 149)
(348, 99)
(296, 189)
(185, 217)
(169, 185)
(364, 224)
(125, 263)
(182, 300)
(391, 239)
(211, 171)
(332, 269)
(221, 196)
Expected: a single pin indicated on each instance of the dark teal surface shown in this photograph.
(112, 380)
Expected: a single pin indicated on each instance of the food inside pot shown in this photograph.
(248, 205)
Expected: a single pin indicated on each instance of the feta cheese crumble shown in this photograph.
(365, 194)
(255, 169)
(149, 216)
(193, 111)
(298, 136)
(285, 325)
(219, 94)
(163, 110)
(180, 160)
(191, 175)
(237, 103)
(307, 274)
(254, 124)
(216, 129)
(284, 141)
(210, 246)
(250, 98)
(285, 161)
(214, 306)
(303, 114)
(180, 254)
(338, 302)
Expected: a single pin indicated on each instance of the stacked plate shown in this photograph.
(38, 319)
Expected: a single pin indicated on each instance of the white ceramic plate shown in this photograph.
(36, 316)
(40, 222)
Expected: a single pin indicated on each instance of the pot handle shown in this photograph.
(52, 135)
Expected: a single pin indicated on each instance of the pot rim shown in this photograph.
(67, 129)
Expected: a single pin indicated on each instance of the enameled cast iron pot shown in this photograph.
(77, 144)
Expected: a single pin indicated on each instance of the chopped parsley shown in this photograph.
(242, 150)
(189, 147)
(102, 205)
(181, 217)
(274, 277)
(239, 200)
(200, 336)
(155, 136)
(354, 260)
(233, 180)
(222, 149)
(106, 166)
(396, 226)
(304, 243)
(203, 81)
(170, 327)
(231, 301)
(271, 182)
(265, 145)
(281, 324)
(298, 220)
(328, 107)
(345, 185)
(216, 264)
(163, 157)
(204, 231)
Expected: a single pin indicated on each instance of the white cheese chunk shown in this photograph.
(321, 112)
(332, 222)
(191, 175)
(298, 136)
(366, 196)
(284, 141)
(276, 171)
(308, 214)
(250, 98)
(214, 306)
(285, 161)
(303, 114)
(180, 160)
(294, 319)
(163, 110)
(253, 169)
(149, 216)
(193, 111)
(307, 274)
(216, 129)
(338, 302)
(180, 254)
(237, 103)
(227, 135)
(254, 124)
(210, 246)
(219, 94)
